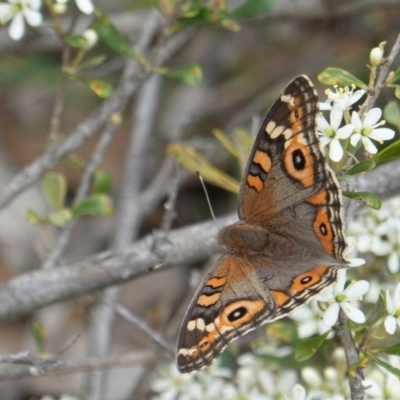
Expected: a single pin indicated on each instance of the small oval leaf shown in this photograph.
(337, 76)
(102, 88)
(190, 74)
(61, 217)
(391, 113)
(362, 166)
(54, 186)
(306, 348)
(96, 204)
(390, 152)
(370, 199)
(39, 333)
(75, 41)
(102, 182)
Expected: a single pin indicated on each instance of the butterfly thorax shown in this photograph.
(244, 237)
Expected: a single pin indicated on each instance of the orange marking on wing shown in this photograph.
(263, 159)
(322, 223)
(319, 199)
(296, 118)
(307, 279)
(306, 175)
(280, 297)
(255, 182)
(216, 282)
(252, 308)
(206, 301)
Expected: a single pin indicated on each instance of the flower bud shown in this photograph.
(375, 57)
(91, 36)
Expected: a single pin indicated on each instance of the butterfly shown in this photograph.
(289, 242)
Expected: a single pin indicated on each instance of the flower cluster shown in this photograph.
(19, 12)
(334, 133)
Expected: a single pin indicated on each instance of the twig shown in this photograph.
(82, 192)
(383, 73)
(355, 376)
(39, 367)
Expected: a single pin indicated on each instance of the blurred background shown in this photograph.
(243, 72)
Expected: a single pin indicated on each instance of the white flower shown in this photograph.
(368, 129)
(343, 98)
(393, 310)
(342, 299)
(331, 133)
(86, 6)
(18, 11)
(299, 393)
(309, 320)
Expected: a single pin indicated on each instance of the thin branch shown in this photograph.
(35, 367)
(355, 377)
(383, 73)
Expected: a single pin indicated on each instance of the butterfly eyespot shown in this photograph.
(299, 161)
(323, 229)
(306, 280)
(237, 314)
(204, 344)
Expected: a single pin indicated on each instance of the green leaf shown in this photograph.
(390, 152)
(391, 113)
(74, 162)
(306, 348)
(39, 333)
(102, 182)
(392, 350)
(383, 364)
(194, 162)
(33, 218)
(76, 41)
(112, 38)
(61, 217)
(397, 91)
(102, 88)
(96, 204)
(190, 74)
(54, 186)
(229, 23)
(396, 76)
(337, 76)
(362, 166)
(377, 313)
(253, 8)
(195, 15)
(370, 199)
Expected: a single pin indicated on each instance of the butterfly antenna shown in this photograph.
(207, 197)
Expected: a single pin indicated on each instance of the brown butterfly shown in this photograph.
(289, 242)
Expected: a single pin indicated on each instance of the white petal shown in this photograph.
(307, 329)
(356, 262)
(86, 6)
(356, 96)
(35, 4)
(393, 262)
(345, 131)
(373, 116)
(336, 117)
(335, 150)
(312, 377)
(323, 106)
(331, 315)
(382, 134)
(33, 18)
(17, 27)
(322, 123)
(325, 295)
(389, 303)
(356, 290)
(396, 297)
(339, 286)
(390, 324)
(355, 138)
(353, 313)
(324, 140)
(369, 146)
(5, 12)
(298, 392)
(356, 121)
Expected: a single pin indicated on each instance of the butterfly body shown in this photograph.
(288, 243)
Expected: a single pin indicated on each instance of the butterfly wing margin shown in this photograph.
(230, 301)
